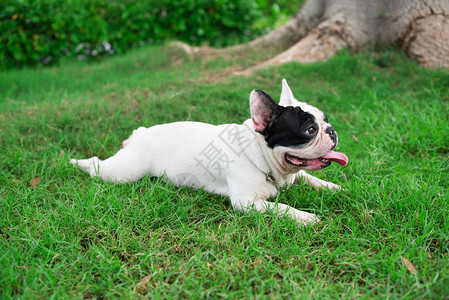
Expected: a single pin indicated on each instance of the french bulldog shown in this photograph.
(249, 163)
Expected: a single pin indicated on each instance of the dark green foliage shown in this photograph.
(42, 31)
(271, 8)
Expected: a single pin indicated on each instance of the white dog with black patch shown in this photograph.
(249, 163)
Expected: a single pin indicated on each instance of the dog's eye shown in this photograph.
(311, 130)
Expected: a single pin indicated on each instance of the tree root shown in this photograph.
(320, 44)
(283, 37)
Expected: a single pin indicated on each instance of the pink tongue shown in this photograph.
(337, 157)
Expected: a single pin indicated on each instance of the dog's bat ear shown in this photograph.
(263, 110)
(286, 94)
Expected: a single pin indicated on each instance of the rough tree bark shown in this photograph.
(322, 27)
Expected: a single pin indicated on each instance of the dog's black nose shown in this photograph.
(332, 133)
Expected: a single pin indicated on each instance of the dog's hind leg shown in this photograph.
(90, 165)
(124, 166)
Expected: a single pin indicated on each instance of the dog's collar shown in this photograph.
(270, 178)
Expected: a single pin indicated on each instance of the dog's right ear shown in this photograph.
(263, 110)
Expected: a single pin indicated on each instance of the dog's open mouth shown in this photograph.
(317, 163)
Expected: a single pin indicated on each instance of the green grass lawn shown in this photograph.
(63, 234)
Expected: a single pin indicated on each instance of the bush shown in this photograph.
(42, 31)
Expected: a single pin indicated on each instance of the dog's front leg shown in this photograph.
(260, 203)
(303, 178)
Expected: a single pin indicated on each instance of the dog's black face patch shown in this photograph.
(292, 127)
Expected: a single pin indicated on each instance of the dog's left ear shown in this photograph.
(263, 110)
(286, 94)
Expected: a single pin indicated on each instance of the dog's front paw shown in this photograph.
(332, 186)
(306, 218)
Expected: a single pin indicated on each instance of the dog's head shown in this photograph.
(298, 133)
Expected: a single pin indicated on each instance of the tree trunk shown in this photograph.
(322, 27)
